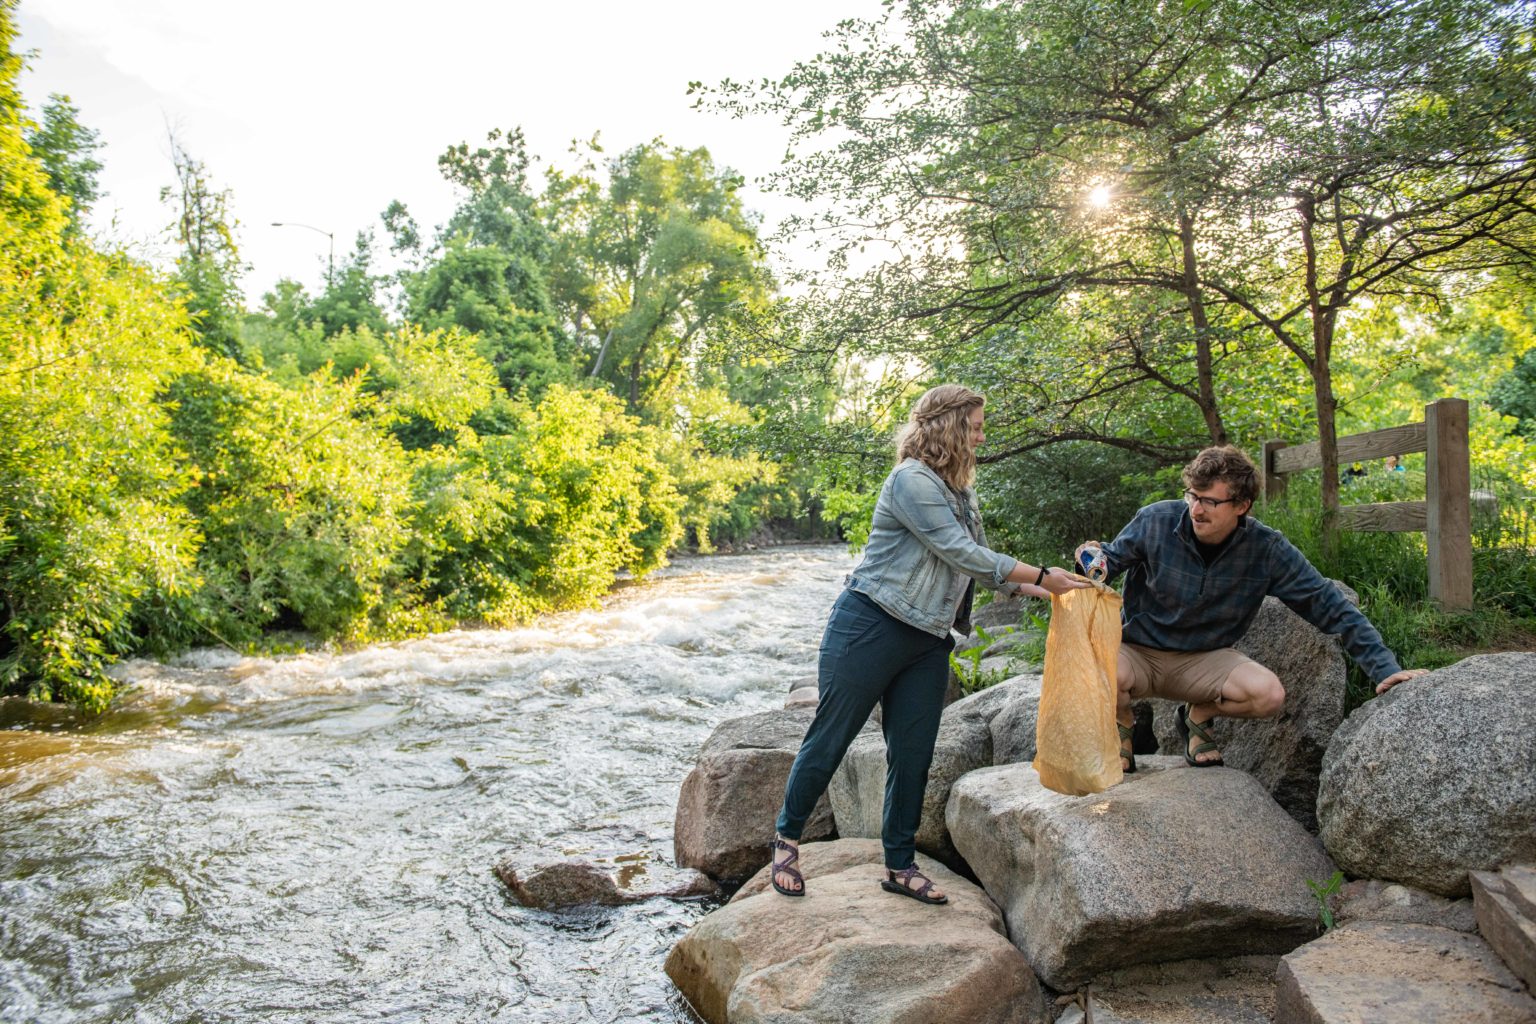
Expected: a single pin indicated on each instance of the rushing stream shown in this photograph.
(311, 838)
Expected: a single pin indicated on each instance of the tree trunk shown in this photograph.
(1204, 364)
(601, 353)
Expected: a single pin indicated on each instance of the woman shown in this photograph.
(888, 638)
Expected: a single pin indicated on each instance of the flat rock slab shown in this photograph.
(1239, 990)
(1382, 971)
(1506, 917)
(850, 952)
(1174, 863)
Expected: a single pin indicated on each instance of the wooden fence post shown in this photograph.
(1448, 481)
(1274, 483)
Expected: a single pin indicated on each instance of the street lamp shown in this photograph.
(330, 263)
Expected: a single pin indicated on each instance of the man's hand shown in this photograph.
(1400, 677)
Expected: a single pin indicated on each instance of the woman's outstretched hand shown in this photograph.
(1057, 581)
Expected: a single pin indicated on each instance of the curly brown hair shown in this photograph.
(1229, 465)
(939, 435)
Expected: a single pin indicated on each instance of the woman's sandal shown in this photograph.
(904, 886)
(782, 867)
(1127, 747)
(1207, 744)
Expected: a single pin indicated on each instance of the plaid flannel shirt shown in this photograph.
(1175, 602)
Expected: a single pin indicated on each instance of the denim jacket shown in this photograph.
(926, 546)
(1175, 602)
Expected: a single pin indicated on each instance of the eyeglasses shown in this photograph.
(1209, 504)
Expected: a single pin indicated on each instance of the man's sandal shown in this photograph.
(782, 867)
(1127, 747)
(901, 881)
(1207, 743)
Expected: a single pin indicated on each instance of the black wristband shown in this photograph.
(1044, 572)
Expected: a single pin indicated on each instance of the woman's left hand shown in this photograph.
(1059, 581)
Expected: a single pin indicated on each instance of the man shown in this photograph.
(1196, 572)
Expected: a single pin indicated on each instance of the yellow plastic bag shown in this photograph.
(1077, 749)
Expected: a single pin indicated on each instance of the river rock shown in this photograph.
(729, 802)
(803, 697)
(1370, 899)
(1285, 753)
(562, 884)
(849, 952)
(1434, 778)
(1386, 971)
(964, 743)
(1173, 863)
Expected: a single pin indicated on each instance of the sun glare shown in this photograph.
(1099, 197)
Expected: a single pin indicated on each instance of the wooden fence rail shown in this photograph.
(1446, 514)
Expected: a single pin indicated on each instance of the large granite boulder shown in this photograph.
(1013, 728)
(1173, 863)
(1435, 778)
(1387, 971)
(857, 790)
(1285, 753)
(850, 952)
(729, 802)
(1002, 613)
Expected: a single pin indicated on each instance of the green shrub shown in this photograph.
(547, 514)
(304, 502)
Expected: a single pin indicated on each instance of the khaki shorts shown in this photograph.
(1194, 677)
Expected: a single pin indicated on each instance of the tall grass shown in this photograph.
(1390, 570)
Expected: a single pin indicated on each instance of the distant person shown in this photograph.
(1196, 572)
(1395, 464)
(1353, 473)
(888, 638)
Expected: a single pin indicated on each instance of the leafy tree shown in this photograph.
(208, 267)
(1515, 393)
(351, 296)
(90, 528)
(485, 274)
(1202, 186)
(647, 263)
(472, 287)
(67, 149)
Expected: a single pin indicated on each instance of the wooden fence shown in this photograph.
(1446, 515)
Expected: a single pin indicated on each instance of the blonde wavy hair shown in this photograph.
(938, 433)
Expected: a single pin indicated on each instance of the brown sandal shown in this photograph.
(1127, 746)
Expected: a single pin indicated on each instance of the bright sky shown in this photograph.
(320, 112)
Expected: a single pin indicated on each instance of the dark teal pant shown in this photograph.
(869, 657)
